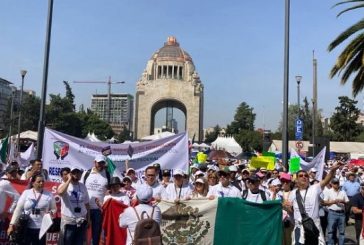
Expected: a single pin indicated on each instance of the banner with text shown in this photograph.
(61, 150)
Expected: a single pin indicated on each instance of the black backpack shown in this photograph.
(88, 174)
(147, 230)
(262, 195)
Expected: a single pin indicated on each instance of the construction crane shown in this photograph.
(109, 82)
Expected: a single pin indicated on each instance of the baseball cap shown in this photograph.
(198, 172)
(314, 170)
(100, 158)
(11, 168)
(166, 172)
(199, 180)
(335, 180)
(195, 165)
(233, 168)
(178, 172)
(115, 181)
(285, 177)
(224, 171)
(144, 193)
(276, 182)
(254, 178)
(130, 169)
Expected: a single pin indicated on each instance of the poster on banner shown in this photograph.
(61, 150)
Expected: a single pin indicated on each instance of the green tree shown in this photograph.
(124, 135)
(343, 121)
(250, 140)
(90, 122)
(350, 61)
(212, 136)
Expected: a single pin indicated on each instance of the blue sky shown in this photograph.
(237, 48)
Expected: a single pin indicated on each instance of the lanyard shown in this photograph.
(304, 199)
(180, 189)
(37, 199)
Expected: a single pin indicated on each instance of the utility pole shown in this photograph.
(314, 103)
(109, 82)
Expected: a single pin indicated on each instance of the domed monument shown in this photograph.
(169, 81)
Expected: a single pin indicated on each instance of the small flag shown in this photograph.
(130, 151)
(294, 164)
(3, 149)
(110, 166)
(106, 151)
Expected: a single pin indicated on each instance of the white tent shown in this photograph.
(228, 144)
(29, 134)
(92, 137)
(158, 136)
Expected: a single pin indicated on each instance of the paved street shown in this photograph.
(350, 235)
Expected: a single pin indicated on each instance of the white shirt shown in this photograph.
(331, 195)
(96, 184)
(311, 203)
(221, 191)
(75, 196)
(7, 190)
(172, 192)
(128, 219)
(120, 197)
(157, 188)
(26, 202)
(256, 197)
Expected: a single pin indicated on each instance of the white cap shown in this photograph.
(130, 169)
(195, 165)
(213, 167)
(199, 180)
(313, 170)
(178, 172)
(144, 193)
(199, 172)
(276, 182)
(100, 158)
(233, 168)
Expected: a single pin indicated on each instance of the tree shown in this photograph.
(350, 60)
(212, 136)
(343, 121)
(124, 135)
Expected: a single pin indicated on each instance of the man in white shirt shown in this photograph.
(254, 193)
(96, 181)
(224, 188)
(128, 219)
(311, 201)
(177, 190)
(7, 190)
(75, 209)
(151, 180)
(336, 200)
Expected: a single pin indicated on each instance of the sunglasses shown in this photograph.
(303, 175)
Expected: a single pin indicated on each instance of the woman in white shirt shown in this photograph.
(35, 202)
(116, 193)
(201, 188)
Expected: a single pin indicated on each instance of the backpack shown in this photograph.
(147, 230)
(88, 174)
(262, 195)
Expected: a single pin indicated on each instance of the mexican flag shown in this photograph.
(3, 149)
(221, 221)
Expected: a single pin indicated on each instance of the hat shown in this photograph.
(245, 170)
(351, 173)
(144, 193)
(335, 180)
(157, 165)
(276, 182)
(263, 169)
(314, 170)
(127, 178)
(74, 169)
(11, 169)
(198, 172)
(285, 177)
(115, 181)
(100, 158)
(195, 165)
(233, 168)
(254, 178)
(130, 169)
(260, 175)
(225, 170)
(178, 172)
(199, 180)
(166, 172)
(214, 168)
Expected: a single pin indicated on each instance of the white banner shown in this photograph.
(61, 150)
(318, 162)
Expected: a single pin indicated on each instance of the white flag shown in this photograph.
(26, 156)
(318, 162)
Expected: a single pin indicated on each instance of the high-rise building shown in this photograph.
(121, 110)
(5, 95)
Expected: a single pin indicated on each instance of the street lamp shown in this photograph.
(22, 73)
(298, 79)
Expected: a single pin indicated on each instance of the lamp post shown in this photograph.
(298, 79)
(13, 90)
(22, 73)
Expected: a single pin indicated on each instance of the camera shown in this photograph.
(36, 211)
(77, 210)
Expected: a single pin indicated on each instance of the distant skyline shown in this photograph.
(236, 46)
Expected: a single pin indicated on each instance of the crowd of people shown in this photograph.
(332, 202)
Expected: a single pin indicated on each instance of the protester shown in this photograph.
(129, 218)
(357, 205)
(288, 220)
(177, 190)
(127, 188)
(201, 188)
(35, 202)
(75, 208)
(35, 169)
(351, 187)
(96, 181)
(233, 173)
(312, 173)
(224, 188)
(253, 193)
(7, 190)
(335, 200)
(166, 177)
(130, 172)
(116, 193)
(151, 180)
(212, 179)
(310, 194)
(65, 174)
(245, 173)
